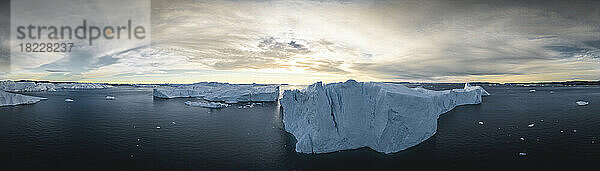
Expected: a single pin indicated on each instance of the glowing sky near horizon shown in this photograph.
(430, 41)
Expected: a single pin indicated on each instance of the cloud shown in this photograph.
(56, 70)
(373, 40)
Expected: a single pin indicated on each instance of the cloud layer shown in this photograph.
(306, 41)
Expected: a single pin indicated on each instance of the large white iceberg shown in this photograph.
(221, 92)
(385, 117)
(11, 99)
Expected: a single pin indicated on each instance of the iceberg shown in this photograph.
(385, 117)
(221, 92)
(582, 103)
(69, 100)
(82, 86)
(214, 105)
(12, 99)
(12, 86)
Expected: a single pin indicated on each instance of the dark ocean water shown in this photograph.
(92, 133)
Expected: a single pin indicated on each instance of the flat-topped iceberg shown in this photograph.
(222, 92)
(11, 99)
(82, 86)
(385, 117)
(12, 86)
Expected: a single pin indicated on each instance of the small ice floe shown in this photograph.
(522, 139)
(173, 122)
(522, 154)
(157, 127)
(131, 156)
(593, 141)
(542, 120)
(561, 131)
(574, 130)
(480, 122)
(137, 145)
(214, 105)
(138, 139)
(551, 92)
(532, 90)
(581, 103)
(110, 97)
(230, 101)
(247, 106)
(239, 107)
(530, 125)
(69, 100)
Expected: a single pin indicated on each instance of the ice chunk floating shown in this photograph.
(385, 117)
(214, 105)
(582, 103)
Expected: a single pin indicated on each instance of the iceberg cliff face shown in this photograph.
(221, 92)
(382, 116)
(11, 99)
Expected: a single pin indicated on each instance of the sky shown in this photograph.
(302, 42)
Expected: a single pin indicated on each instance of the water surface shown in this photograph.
(94, 133)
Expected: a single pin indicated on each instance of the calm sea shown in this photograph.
(92, 133)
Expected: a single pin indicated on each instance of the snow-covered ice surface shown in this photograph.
(12, 86)
(11, 99)
(222, 92)
(385, 117)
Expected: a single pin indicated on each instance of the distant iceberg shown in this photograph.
(12, 86)
(11, 99)
(385, 117)
(82, 86)
(221, 92)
